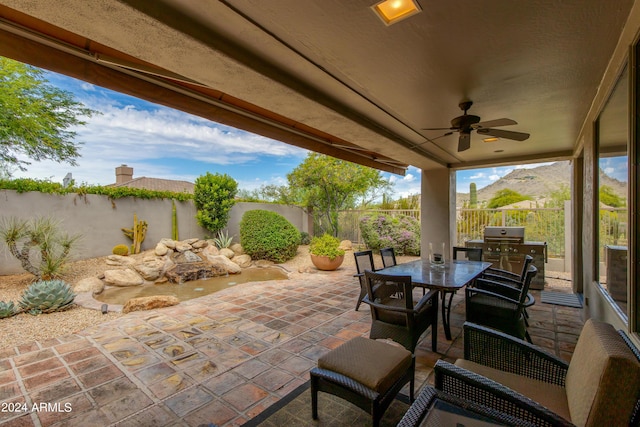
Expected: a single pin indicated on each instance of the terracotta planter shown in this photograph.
(325, 263)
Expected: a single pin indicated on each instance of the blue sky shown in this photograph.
(160, 142)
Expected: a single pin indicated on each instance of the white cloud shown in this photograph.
(494, 177)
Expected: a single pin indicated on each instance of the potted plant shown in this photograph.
(325, 252)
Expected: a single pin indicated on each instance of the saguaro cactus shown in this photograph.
(473, 196)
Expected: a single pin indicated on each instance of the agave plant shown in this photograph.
(223, 240)
(47, 296)
(7, 309)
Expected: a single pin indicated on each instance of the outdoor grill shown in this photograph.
(505, 248)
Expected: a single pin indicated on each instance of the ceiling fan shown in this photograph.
(467, 123)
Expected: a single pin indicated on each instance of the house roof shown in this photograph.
(157, 184)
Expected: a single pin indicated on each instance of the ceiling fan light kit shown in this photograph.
(467, 123)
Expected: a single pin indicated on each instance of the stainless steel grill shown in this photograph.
(505, 248)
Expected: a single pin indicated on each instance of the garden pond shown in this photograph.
(193, 289)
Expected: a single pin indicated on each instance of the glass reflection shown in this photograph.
(613, 162)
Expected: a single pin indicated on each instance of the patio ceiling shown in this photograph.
(331, 77)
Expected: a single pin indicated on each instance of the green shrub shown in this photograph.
(268, 235)
(326, 245)
(47, 296)
(120, 250)
(305, 239)
(214, 196)
(400, 232)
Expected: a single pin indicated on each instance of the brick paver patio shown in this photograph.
(220, 359)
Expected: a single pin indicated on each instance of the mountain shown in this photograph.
(538, 183)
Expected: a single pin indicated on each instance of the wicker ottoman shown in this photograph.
(365, 372)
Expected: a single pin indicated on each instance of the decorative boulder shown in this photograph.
(222, 262)
(243, 261)
(227, 252)
(186, 257)
(237, 249)
(123, 278)
(346, 245)
(90, 284)
(210, 250)
(199, 244)
(187, 272)
(150, 303)
(183, 247)
(151, 268)
(161, 249)
(119, 260)
(170, 243)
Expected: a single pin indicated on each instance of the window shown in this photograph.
(613, 163)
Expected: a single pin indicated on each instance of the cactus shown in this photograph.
(473, 196)
(7, 309)
(174, 222)
(47, 296)
(136, 234)
(120, 250)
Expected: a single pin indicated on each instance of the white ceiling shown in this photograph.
(333, 65)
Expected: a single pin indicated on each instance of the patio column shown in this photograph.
(437, 213)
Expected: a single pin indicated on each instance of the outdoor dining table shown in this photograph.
(447, 277)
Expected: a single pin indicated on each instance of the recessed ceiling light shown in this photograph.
(491, 139)
(392, 11)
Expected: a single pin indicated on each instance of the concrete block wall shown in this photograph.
(99, 220)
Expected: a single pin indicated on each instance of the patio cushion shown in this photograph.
(549, 395)
(374, 364)
(603, 380)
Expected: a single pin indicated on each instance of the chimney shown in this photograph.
(123, 174)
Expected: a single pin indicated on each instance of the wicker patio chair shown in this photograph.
(388, 257)
(499, 306)
(493, 273)
(364, 261)
(419, 410)
(472, 254)
(394, 314)
(600, 386)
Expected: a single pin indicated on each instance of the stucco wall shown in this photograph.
(99, 220)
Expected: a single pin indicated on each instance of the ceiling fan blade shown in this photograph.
(449, 128)
(494, 123)
(464, 142)
(516, 136)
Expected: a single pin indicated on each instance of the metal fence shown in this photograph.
(541, 224)
(613, 228)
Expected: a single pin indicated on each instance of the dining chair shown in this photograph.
(499, 306)
(395, 316)
(497, 273)
(471, 254)
(512, 279)
(364, 261)
(388, 257)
